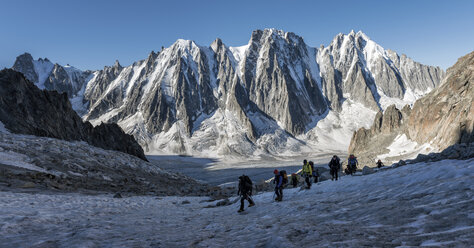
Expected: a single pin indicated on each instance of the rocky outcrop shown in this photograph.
(443, 118)
(368, 143)
(24, 64)
(28, 110)
(66, 79)
(446, 116)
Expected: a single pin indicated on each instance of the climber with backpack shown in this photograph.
(352, 163)
(379, 164)
(307, 173)
(245, 191)
(280, 180)
(334, 166)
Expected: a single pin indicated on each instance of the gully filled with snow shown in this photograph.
(424, 204)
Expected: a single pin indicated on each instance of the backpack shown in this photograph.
(245, 183)
(248, 183)
(352, 161)
(284, 176)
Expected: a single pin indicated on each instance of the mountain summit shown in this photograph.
(273, 95)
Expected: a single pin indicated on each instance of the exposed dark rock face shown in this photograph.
(446, 115)
(28, 110)
(442, 118)
(24, 64)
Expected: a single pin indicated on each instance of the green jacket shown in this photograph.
(307, 169)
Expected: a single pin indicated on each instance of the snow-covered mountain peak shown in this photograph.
(362, 35)
(216, 44)
(280, 36)
(182, 44)
(243, 100)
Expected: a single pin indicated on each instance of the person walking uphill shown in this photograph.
(334, 165)
(245, 191)
(278, 185)
(379, 164)
(352, 163)
(307, 172)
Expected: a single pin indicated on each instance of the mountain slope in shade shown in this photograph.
(26, 109)
(274, 95)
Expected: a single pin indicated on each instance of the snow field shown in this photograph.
(425, 204)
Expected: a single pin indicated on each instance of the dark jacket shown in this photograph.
(245, 187)
(334, 164)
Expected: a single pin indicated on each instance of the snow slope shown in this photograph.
(404, 147)
(425, 204)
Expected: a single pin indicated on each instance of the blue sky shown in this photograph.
(92, 34)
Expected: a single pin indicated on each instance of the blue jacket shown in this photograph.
(353, 161)
(278, 180)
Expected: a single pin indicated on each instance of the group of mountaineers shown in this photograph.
(307, 172)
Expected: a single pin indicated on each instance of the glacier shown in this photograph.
(423, 204)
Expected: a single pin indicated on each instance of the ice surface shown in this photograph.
(403, 146)
(425, 204)
(18, 160)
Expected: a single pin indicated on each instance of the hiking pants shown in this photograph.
(334, 173)
(243, 198)
(315, 179)
(354, 168)
(279, 192)
(308, 182)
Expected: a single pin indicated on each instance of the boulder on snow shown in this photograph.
(367, 170)
(224, 202)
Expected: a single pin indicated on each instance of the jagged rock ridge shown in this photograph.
(28, 110)
(264, 97)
